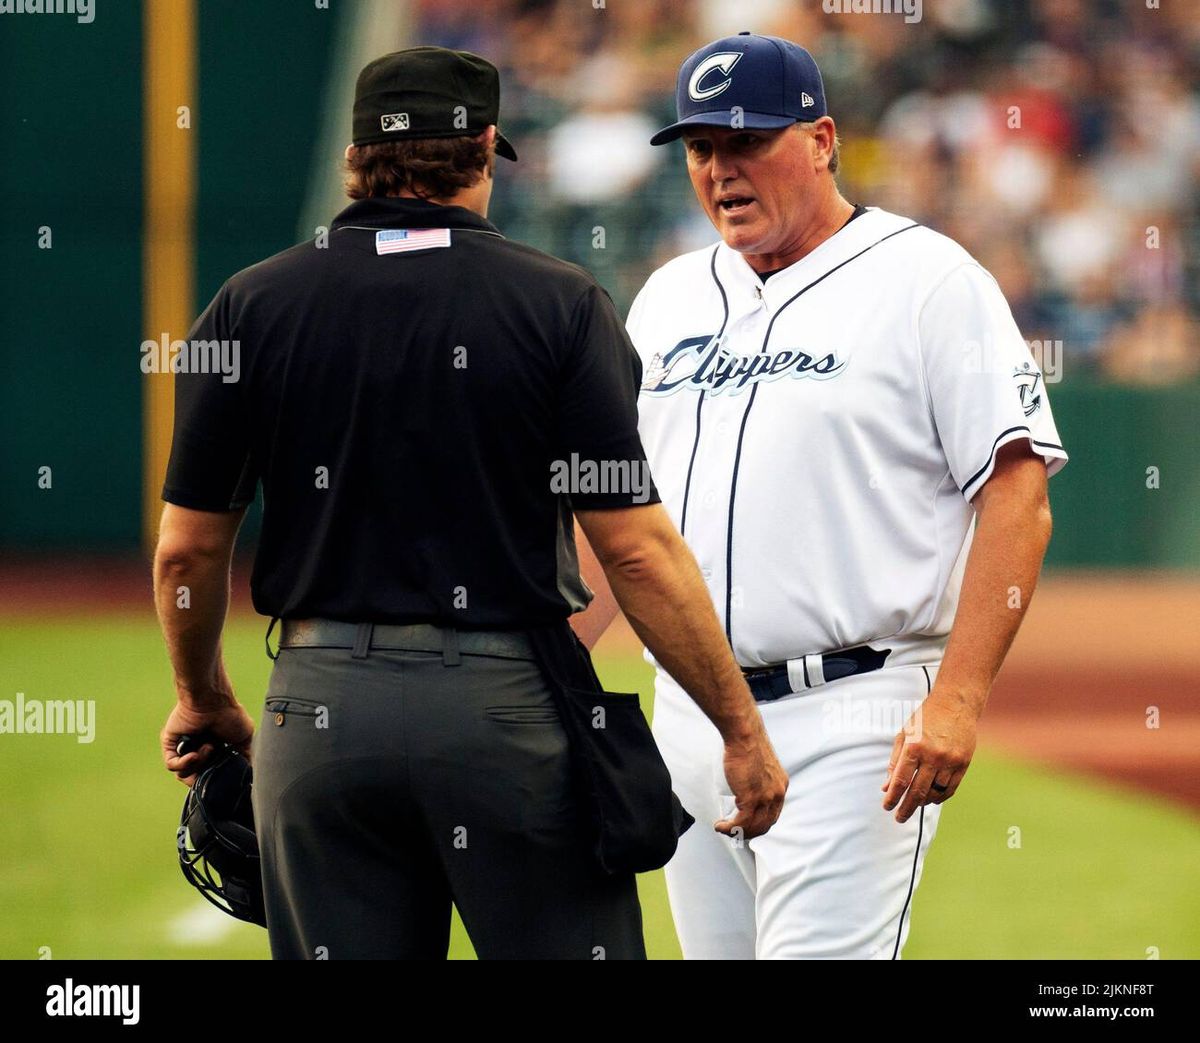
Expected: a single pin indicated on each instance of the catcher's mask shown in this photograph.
(218, 850)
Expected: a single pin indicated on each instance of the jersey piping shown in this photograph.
(750, 404)
(700, 404)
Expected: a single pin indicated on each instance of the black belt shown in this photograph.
(416, 637)
(768, 683)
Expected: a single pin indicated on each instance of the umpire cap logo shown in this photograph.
(394, 121)
(725, 61)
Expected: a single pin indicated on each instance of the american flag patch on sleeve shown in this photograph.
(397, 240)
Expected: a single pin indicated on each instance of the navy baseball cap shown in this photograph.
(773, 83)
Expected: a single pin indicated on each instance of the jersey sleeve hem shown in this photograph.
(1053, 455)
(200, 503)
(610, 501)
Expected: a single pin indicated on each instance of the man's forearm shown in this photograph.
(670, 609)
(1002, 570)
(191, 594)
(592, 622)
(658, 584)
(660, 590)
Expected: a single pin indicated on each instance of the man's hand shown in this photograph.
(1011, 533)
(935, 746)
(758, 783)
(226, 721)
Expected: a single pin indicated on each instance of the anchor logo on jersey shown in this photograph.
(704, 364)
(1028, 380)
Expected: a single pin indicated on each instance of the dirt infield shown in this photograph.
(1104, 678)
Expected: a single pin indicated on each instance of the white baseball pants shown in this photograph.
(836, 875)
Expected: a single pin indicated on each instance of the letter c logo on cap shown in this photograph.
(725, 61)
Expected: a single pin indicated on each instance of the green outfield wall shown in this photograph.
(71, 314)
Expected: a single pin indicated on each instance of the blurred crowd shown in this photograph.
(1057, 140)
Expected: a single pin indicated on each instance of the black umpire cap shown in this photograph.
(427, 92)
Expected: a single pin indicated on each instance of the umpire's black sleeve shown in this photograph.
(598, 416)
(210, 467)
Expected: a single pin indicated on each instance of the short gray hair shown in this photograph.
(837, 141)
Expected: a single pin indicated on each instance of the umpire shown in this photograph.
(409, 393)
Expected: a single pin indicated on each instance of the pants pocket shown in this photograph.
(522, 714)
(278, 710)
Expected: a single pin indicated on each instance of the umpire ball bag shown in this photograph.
(635, 819)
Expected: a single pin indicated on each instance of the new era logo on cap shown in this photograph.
(394, 121)
(806, 100)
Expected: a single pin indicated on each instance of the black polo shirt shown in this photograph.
(422, 417)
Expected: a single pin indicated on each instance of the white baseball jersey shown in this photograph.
(818, 437)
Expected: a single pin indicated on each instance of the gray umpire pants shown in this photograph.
(390, 784)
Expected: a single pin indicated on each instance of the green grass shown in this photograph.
(87, 830)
